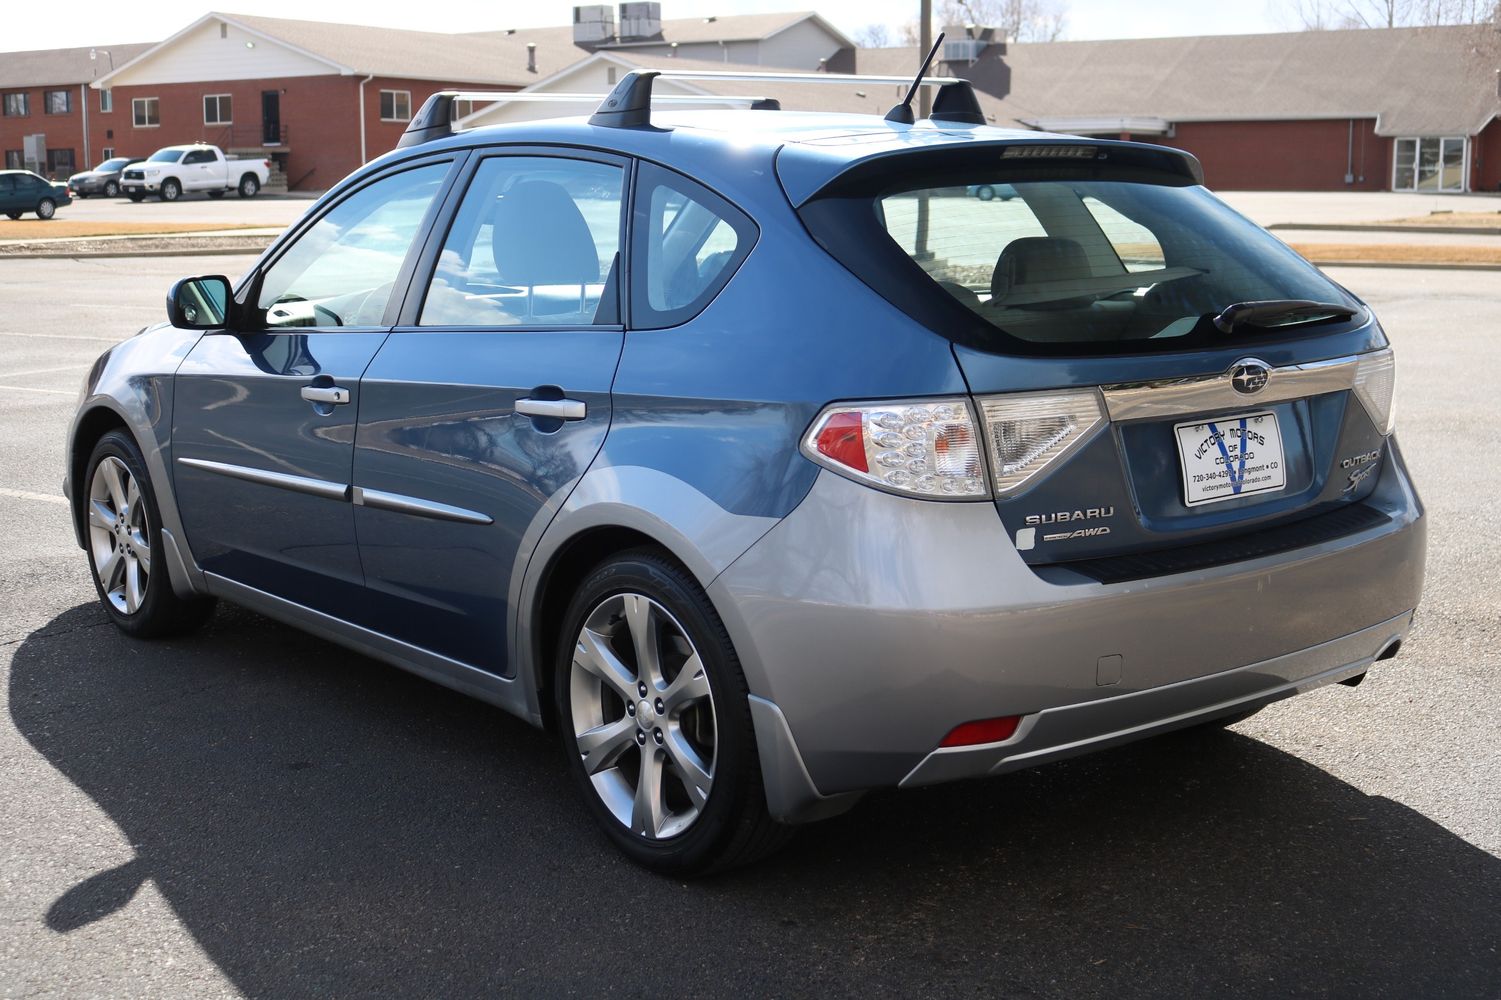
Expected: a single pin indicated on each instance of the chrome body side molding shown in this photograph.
(1174, 397)
(281, 480)
(381, 500)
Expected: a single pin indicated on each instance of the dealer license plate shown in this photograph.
(1230, 457)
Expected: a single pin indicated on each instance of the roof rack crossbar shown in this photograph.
(629, 104)
(435, 119)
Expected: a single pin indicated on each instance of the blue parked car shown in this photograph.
(753, 458)
(22, 191)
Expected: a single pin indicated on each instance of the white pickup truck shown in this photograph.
(173, 171)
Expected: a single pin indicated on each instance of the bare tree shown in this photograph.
(873, 36)
(1023, 20)
(1321, 15)
(910, 32)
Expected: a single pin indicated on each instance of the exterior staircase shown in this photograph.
(276, 182)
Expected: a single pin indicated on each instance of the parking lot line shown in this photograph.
(45, 371)
(58, 336)
(50, 392)
(29, 495)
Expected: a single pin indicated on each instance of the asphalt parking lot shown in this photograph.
(252, 811)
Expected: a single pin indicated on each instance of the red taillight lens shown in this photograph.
(971, 734)
(842, 438)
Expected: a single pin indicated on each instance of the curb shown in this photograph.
(86, 254)
(1408, 265)
(1358, 228)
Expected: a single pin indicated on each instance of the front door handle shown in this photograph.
(559, 409)
(334, 394)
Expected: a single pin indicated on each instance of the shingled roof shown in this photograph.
(45, 67)
(1413, 81)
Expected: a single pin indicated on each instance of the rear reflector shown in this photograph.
(971, 734)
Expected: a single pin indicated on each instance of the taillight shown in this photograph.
(1027, 432)
(1375, 385)
(926, 448)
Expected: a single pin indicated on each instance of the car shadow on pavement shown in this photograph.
(326, 825)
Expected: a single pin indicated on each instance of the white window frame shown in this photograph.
(1417, 141)
(106, 101)
(135, 119)
(394, 110)
(218, 100)
(108, 154)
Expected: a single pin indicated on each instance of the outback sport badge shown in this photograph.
(1249, 377)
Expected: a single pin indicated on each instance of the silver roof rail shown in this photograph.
(629, 104)
(435, 119)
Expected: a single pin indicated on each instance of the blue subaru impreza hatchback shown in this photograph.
(763, 463)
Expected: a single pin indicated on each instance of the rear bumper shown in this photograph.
(876, 624)
(1070, 730)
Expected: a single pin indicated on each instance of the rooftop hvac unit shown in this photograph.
(594, 24)
(640, 19)
(963, 50)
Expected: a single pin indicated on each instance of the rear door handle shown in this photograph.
(337, 395)
(560, 409)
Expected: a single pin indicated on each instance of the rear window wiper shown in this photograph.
(1268, 312)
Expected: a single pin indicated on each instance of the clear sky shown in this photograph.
(39, 25)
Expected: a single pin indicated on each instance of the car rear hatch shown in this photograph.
(1161, 384)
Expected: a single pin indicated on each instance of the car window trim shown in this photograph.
(249, 288)
(427, 262)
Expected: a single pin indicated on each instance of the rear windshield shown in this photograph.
(1085, 265)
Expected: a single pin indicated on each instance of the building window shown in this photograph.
(14, 160)
(146, 112)
(462, 109)
(1429, 164)
(17, 105)
(107, 153)
(395, 105)
(217, 109)
(60, 162)
(106, 101)
(58, 102)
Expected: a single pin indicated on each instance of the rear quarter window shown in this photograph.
(687, 244)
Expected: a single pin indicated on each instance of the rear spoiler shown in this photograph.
(807, 169)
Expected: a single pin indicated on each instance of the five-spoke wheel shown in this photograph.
(643, 716)
(119, 535)
(655, 719)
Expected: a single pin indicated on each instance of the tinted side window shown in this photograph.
(534, 243)
(688, 242)
(341, 271)
(198, 156)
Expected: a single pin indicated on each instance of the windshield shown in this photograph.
(1083, 265)
(114, 164)
(165, 156)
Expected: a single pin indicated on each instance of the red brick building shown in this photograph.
(45, 97)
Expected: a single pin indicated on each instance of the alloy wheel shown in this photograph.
(643, 716)
(119, 535)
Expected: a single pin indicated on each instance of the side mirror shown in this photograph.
(200, 303)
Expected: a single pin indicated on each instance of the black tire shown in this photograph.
(732, 827)
(250, 186)
(46, 209)
(171, 190)
(216, 194)
(13, 215)
(136, 196)
(160, 612)
(80, 195)
(111, 189)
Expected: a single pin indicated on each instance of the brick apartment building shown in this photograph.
(319, 99)
(1412, 109)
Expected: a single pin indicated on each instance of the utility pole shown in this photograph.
(924, 43)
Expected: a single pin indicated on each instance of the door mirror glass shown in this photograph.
(200, 303)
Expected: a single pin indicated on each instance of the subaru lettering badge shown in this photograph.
(1249, 377)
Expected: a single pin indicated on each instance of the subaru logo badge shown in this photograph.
(1249, 377)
